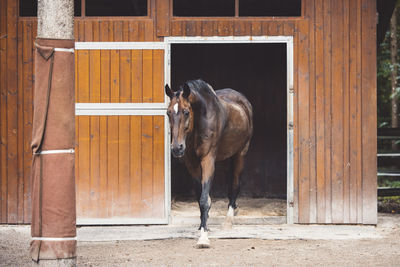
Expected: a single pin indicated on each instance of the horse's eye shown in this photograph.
(185, 112)
(169, 112)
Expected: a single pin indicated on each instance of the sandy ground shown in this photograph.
(256, 207)
(382, 248)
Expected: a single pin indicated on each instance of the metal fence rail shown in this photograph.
(391, 157)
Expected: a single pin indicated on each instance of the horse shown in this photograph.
(209, 126)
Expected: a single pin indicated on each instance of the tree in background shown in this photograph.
(388, 74)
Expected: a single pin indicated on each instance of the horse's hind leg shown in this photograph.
(234, 188)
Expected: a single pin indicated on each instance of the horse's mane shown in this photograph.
(201, 88)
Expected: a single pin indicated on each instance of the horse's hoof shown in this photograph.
(203, 241)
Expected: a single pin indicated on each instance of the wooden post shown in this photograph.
(53, 227)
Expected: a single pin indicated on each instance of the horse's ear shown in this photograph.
(168, 91)
(186, 91)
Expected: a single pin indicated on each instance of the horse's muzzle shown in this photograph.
(178, 151)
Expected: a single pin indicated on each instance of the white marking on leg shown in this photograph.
(203, 242)
(231, 212)
(228, 223)
(176, 108)
(209, 201)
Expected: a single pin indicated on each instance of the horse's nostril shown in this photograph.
(180, 147)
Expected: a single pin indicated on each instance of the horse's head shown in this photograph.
(180, 115)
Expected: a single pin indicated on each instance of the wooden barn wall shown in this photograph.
(335, 99)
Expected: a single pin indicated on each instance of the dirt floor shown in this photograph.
(250, 207)
(380, 250)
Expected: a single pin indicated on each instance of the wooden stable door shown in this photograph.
(120, 134)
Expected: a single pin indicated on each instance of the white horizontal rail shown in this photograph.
(389, 155)
(230, 39)
(388, 174)
(117, 109)
(118, 45)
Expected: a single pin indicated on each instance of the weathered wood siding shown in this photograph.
(335, 98)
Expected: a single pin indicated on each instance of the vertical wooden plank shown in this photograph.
(312, 110)
(125, 76)
(337, 111)
(141, 31)
(147, 165)
(94, 76)
(256, 28)
(124, 166)
(176, 28)
(158, 76)
(20, 127)
(136, 203)
(12, 111)
(296, 129)
(147, 76)
(359, 117)
(241, 28)
(346, 112)
(304, 122)
(133, 31)
(28, 113)
(104, 65)
(3, 111)
(353, 111)
(207, 28)
(103, 168)
(83, 181)
(368, 117)
(275, 28)
(320, 133)
(113, 166)
(265, 27)
(103, 121)
(96, 31)
(327, 109)
(94, 183)
(149, 31)
(81, 31)
(83, 76)
(125, 31)
(289, 28)
(114, 76)
(137, 76)
(225, 28)
(158, 167)
(162, 17)
(191, 28)
(88, 31)
(117, 29)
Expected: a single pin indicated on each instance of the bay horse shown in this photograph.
(209, 126)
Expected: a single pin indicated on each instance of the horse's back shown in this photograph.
(239, 124)
(235, 99)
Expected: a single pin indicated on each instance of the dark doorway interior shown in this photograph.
(259, 72)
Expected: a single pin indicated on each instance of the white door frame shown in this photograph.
(160, 109)
(288, 40)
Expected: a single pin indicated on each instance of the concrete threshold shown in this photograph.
(271, 232)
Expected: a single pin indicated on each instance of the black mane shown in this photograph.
(201, 88)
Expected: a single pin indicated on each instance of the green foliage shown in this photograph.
(384, 96)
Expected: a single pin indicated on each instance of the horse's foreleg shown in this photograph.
(234, 188)
(207, 175)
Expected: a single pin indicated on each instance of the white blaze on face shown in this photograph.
(176, 108)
